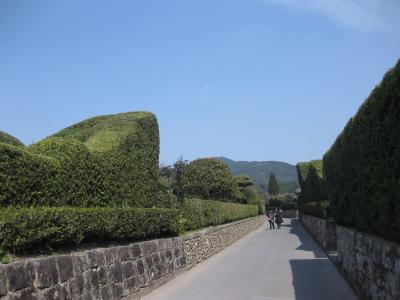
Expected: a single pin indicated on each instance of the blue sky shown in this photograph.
(246, 79)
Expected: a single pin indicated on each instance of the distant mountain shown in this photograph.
(259, 172)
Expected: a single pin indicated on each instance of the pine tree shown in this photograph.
(273, 187)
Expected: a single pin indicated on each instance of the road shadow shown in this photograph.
(307, 242)
(316, 279)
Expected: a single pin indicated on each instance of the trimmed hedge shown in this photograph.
(363, 166)
(202, 213)
(311, 181)
(126, 146)
(103, 161)
(10, 140)
(211, 178)
(316, 209)
(30, 230)
(289, 206)
(27, 179)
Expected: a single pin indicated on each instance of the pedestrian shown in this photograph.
(271, 219)
(278, 219)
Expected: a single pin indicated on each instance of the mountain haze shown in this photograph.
(259, 172)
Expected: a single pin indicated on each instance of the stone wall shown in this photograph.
(369, 263)
(323, 231)
(123, 272)
(203, 244)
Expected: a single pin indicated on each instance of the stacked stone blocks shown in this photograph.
(121, 272)
(369, 263)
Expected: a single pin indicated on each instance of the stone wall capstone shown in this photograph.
(121, 272)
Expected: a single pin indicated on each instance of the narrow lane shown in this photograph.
(267, 264)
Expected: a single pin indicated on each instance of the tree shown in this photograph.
(243, 181)
(313, 186)
(273, 187)
(180, 168)
(211, 179)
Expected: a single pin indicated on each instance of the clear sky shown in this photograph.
(246, 79)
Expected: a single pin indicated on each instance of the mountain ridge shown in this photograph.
(259, 172)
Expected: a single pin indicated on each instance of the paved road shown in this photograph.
(265, 265)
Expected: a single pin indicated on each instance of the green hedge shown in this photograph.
(312, 182)
(30, 230)
(362, 167)
(316, 209)
(202, 213)
(210, 178)
(27, 179)
(289, 205)
(5, 138)
(103, 161)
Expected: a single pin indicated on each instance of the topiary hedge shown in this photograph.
(202, 213)
(5, 138)
(210, 178)
(126, 146)
(103, 161)
(27, 179)
(362, 167)
(30, 230)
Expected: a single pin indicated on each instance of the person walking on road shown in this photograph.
(278, 219)
(271, 219)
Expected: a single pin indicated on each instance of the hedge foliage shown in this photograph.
(210, 178)
(103, 161)
(202, 213)
(5, 138)
(363, 166)
(311, 181)
(289, 205)
(316, 209)
(31, 230)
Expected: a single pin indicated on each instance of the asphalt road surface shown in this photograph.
(267, 264)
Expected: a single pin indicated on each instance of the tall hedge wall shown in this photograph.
(363, 166)
(103, 161)
(211, 178)
(311, 181)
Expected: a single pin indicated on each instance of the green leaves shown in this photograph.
(210, 178)
(5, 138)
(202, 213)
(103, 161)
(30, 230)
(311, 181)
(273, 187)
(363, 166)
(316, 209)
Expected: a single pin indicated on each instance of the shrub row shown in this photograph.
(316, 209)
(202, 213)
(289, 205)
(30, 230)
(362, 167)
(312, 182)
(103, 161)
